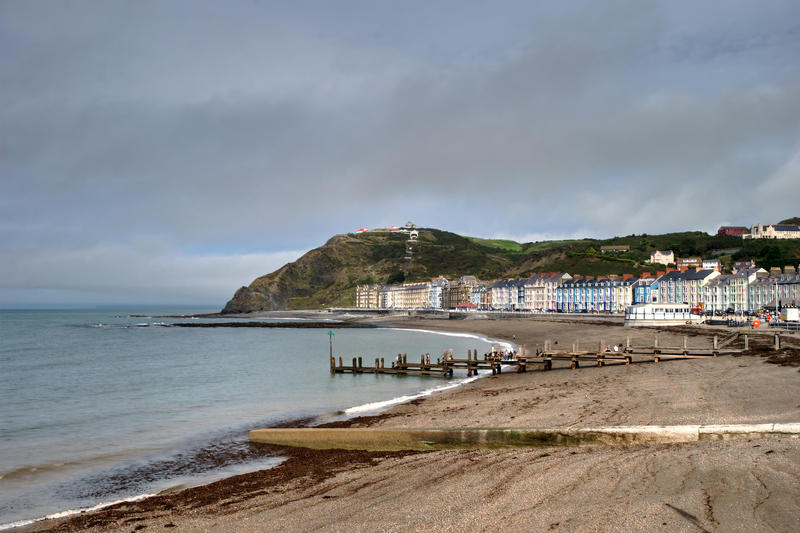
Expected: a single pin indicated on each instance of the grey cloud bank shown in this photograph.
(251, 130)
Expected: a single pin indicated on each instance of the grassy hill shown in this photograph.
(328, 275)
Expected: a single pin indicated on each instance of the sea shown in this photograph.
(108, 405)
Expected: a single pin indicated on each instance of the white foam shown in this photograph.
(378, 406)
(72, 512)
(505, 344)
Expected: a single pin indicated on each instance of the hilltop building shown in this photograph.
(774, 231)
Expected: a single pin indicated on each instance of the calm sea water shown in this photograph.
(97, 406)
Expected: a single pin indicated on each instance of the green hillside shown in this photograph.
(328, 275)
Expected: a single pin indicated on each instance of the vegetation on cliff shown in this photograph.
(327, 276)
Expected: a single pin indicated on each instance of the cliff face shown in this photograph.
(328, 275)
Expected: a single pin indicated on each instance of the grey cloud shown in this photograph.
(268, 126)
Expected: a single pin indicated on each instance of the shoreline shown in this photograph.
(369, 410)
(457, 407)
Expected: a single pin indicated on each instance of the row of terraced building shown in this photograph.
(749, 289)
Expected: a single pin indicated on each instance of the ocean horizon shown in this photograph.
(107, 404)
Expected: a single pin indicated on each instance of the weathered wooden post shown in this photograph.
(405, 360)
(354, 364)
(360, 364)
(574, 364)
(746, 343)
(333, 365)
(600, 346)
(450, 354)
(627, 360)
(716, 342)
(547, 345)
(777, 341)
(377, 365)
(655, 342)
(382, 363)
(627, 344)
(341, 364)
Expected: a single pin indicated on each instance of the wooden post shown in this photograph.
(627, 360)
(405, 360)
(777, 341)
(600, 346)
(382, 363)
(547, 345)
(627, 343)
(360, 364)
(377, 364)
(340, 362)
(655, 342)
(450, 354)
(333, 365)
(746, 344)
(716, 342)
(354, 364)
(685, 344)
(575, 364)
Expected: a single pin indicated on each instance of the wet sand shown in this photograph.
(741, 485)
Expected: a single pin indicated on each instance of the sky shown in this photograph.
(169, 152)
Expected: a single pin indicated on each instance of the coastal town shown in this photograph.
(701, 283)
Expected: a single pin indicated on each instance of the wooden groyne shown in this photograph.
(541, 358)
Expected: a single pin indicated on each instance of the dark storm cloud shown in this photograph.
(254, 128)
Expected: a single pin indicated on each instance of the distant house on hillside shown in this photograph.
(615, 248)
(742, 265)
(711, 264)
(732, 230)
(686, 263)
(665, 257)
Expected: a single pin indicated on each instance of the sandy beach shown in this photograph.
(737, 485)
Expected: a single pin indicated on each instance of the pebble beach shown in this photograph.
(736, 485)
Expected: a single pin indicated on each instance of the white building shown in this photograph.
(666, 257)
(773, 231)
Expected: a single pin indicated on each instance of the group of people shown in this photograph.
(502, 355)
(615, 348)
